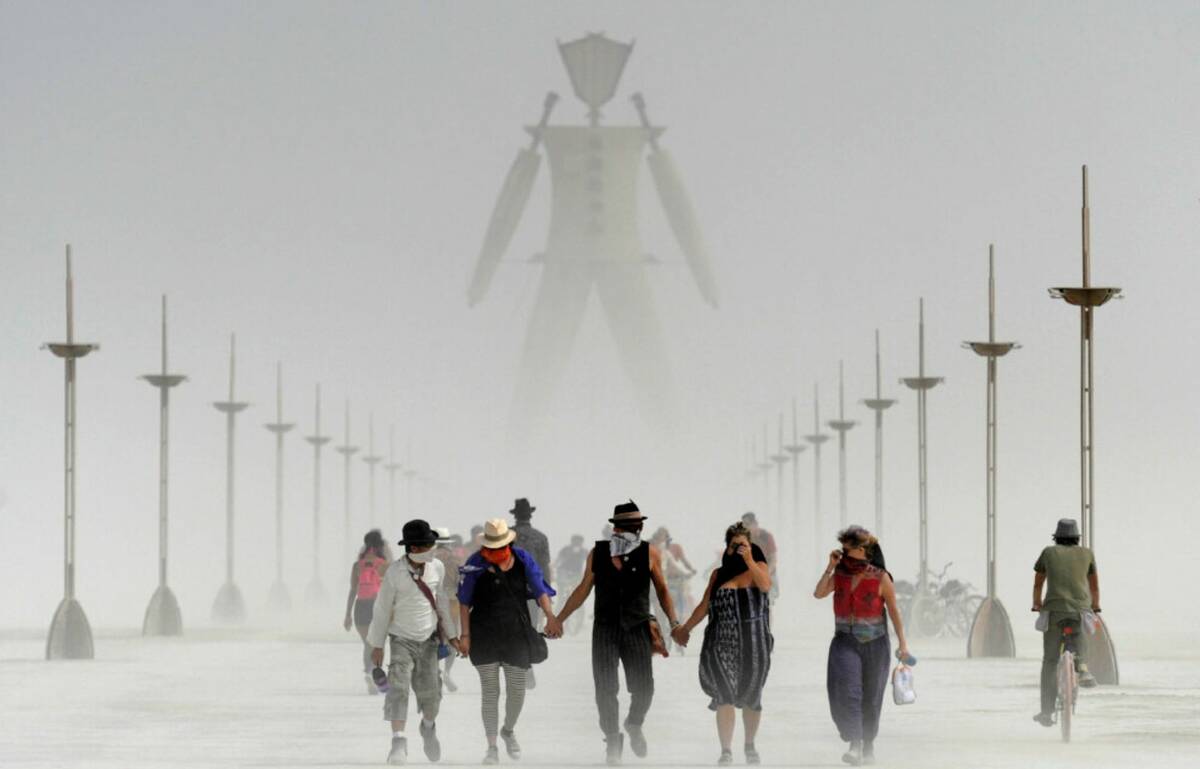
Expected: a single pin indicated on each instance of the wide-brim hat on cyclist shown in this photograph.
(1067, 528)
(417, 532)
(626, 512)
(496, 534)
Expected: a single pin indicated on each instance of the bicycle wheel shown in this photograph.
(1066, 693)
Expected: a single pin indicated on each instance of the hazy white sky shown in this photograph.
(317, 177)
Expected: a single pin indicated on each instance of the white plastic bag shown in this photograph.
(1089, 620)
(903, 692)
(1043, 621)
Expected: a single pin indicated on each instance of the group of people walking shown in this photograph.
(497, 612)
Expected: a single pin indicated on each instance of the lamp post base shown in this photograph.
(1102, 656)
(279, 600)
(162, 614)
(229, 608)
(991, 632)
(70, 635)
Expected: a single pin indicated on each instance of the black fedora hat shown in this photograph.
(522, 509)
(418, 532)
(1067, 528)
(626, 512)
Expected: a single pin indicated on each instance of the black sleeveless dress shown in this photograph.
(499, 617)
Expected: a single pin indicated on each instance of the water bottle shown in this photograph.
(907, 660)
(379, 676)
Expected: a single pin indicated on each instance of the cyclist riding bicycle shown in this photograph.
(568, 564)
(1067, 571)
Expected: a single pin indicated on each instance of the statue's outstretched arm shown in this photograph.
(514, 196)
(680, 214)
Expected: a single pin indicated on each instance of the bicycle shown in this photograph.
(1068, 681)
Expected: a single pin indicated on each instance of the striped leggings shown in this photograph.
(514, 695)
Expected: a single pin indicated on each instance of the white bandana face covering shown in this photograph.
(624, 543)
(425, 557)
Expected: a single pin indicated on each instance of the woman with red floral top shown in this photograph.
(860, 653)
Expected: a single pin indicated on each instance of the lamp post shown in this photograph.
(371, 459)
(70, 635)
(392, 468)
(315, 593)
(991, 632)
(162, 614)
(926, 617)
(780, 458)
(279, 599)
(816, 439)
(795, 449)
(1102, 656)
(347, 451)
(841, 426)
(229, 607)
(878, 404)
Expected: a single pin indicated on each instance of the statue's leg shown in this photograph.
(557, 314)
(628, 303)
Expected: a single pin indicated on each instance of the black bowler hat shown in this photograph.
(1067, 529)
(417, 532)
(626, 512)
(522, 509)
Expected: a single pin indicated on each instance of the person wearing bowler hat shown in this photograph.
(624, 631)
(1067, 572)
(412, 614)
(494, 586)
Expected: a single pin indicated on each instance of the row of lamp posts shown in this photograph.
(991, 630)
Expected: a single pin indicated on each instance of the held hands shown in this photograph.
(681, 635)
(377, 657)
(554, 628)
(464, 646)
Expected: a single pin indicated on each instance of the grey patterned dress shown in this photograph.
(736, 655)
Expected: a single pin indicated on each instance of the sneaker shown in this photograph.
(726, 758)
(399, 753)
(1045, 719)
(853, 756)
(1086, 679)
(637, 739)
(868, 753)
(429, 741)
(380, 679)
(492, 757)
(612, 749)
(752, 757)
(511, 746)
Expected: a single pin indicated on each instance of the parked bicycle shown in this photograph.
(936, 606)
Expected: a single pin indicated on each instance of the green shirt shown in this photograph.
(1067, 568)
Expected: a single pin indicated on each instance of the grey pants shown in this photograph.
(414, 664)
(514, 695)
(856, 680)
(613, 646)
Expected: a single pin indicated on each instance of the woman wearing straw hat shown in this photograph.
(495, 583)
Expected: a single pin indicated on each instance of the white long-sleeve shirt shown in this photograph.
(402, 610)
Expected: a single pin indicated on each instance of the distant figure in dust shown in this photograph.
(860, 653)
(495, 583)
(765, 540)
(411, 615)
(1067, 571)
(624, 631)
(736, 655)
(676, 569)
(537, 545)
(448, 551)
(366, 575)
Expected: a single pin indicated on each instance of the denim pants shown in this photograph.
(1050, 641)
(856, 679)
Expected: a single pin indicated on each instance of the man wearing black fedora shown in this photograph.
(530, 539)
(412, 614)
(624, 631)
(1067, 571)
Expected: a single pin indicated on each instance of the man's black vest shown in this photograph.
(622, 596)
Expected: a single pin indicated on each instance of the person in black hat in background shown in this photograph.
(412, 614)
(537, 545)
(1067, 571)
(624, 631)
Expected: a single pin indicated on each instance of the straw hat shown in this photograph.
(496, 534)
